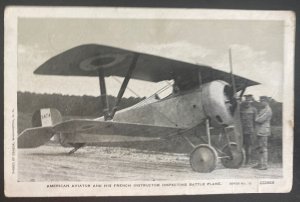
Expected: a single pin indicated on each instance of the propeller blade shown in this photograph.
(231, 73)
(238, 132)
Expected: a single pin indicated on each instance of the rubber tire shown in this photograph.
(204, 158)
(238, 156)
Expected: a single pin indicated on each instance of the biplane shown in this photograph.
(203, 102)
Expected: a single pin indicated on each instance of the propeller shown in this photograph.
(238, 133)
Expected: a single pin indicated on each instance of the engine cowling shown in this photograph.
(218, 102)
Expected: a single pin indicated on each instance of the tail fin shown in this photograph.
(46, 117)
(42, 122)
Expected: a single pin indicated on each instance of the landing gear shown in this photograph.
(62, 137)
(63, 140)
(204, 158)
(76, 147)
(234, 157)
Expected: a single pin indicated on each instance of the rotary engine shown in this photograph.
(219, 103)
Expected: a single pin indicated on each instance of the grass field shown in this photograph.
(91, 163)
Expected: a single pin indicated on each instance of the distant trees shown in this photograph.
(276, 109)
(68, 104)
(277, 112)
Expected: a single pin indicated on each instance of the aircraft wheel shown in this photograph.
(236, 158)
(203, 158)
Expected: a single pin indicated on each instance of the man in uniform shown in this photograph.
(248, 115)
(262, 125)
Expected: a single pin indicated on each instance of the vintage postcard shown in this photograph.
(140, 101)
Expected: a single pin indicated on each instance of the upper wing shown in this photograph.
(84, 60)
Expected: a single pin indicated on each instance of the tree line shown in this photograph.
(71, 105)
(276, 110)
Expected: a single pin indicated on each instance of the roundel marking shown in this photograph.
(101, 61)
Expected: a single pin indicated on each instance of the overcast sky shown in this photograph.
(257, 49)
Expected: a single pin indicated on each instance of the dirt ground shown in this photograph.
(91, 163)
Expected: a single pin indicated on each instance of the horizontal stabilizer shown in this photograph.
(34, 137)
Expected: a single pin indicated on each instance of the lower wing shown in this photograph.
(91, 131)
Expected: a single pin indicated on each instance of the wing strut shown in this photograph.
(124, 84)
(107, 114)
(103, 94)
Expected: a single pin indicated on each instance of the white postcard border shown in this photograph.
(35, 189)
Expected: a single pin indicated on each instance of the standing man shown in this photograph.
(248, 115)
(262, 124)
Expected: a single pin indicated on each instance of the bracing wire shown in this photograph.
(169, 84)
(132, 91)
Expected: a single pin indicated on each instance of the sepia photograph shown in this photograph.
(124, 101)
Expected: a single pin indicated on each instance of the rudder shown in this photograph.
(41, 133)
(46, 117)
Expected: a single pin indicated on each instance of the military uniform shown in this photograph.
(248, 114)
(263, 130)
